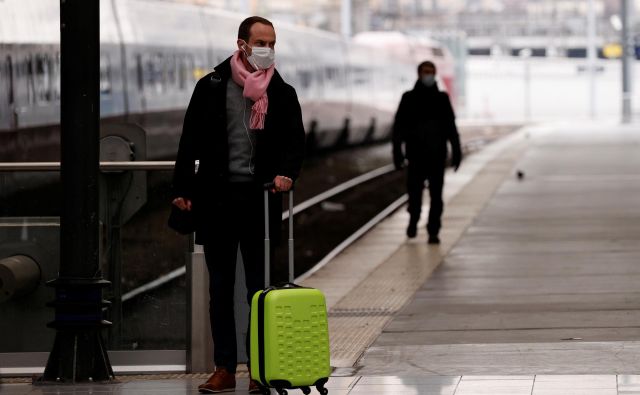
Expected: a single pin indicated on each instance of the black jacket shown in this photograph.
(279, 146)
(425, 122)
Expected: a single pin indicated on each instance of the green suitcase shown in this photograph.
(289, 331)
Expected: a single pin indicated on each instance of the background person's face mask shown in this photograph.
(261, 58)
(428, 80)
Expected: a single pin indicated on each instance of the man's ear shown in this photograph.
(240, 43)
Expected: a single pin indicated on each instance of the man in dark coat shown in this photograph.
(425, 122)
(243, 128)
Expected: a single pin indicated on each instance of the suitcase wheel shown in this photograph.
(264, 390)
(322, 390)
(281, 391)
(306, 390)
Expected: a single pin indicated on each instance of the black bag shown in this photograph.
(182, 221)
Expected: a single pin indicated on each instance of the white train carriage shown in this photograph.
(153, 52)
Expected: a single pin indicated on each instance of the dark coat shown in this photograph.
(279, 147)
(425, 122)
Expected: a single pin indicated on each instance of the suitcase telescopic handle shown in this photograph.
(267, 241)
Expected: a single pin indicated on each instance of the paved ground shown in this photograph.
(544, 280)
(377, 385)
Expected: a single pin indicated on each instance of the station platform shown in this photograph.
(533, 289)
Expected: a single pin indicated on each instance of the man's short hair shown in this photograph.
(244, 31)
(425, 64)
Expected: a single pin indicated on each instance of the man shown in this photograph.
(243, 128)
(424, 123)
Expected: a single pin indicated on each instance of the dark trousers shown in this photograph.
(416, 176)
(242, 223)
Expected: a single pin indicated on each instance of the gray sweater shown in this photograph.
(242, 139)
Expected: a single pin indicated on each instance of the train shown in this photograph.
(153, 52)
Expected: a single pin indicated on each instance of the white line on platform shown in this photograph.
(364, 229)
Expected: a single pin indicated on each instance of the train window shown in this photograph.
(182, 73)
(39, 65)
(155, 75)
(50, 78)
(169, 72)
(139, 72)
(190, 65)
(42, 79)
(304, 76)
(539, 52)
(359, 75)
(332, 74)
(438, 52)
(576, 52)
(56, 76)
(30, 80)
(164, 65)
(41, 74)
(479, 51)
(149, 72)
(176, 70)
(10, 75)
(105, 75)
(152, 73)
(188, 71)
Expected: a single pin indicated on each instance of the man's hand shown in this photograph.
(182, 203)
(456, 160)
(281, 184)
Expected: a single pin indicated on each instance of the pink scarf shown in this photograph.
(255, 88)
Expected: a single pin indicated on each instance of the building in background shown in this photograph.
(547, 27)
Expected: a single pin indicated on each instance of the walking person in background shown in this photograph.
(243, 128)
(424, 123)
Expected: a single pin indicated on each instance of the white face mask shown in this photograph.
(261, 58)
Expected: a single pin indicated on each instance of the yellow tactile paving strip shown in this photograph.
(390, 269)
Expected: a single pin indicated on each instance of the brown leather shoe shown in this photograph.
(254, 388)
(220, 381)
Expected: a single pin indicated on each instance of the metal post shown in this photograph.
(345, 14)
(200, 343)
(113, 226)
(291, 274)
(78, 353)
(527, 89)
(628, 55)
(591, 56)
(267, 242)
(525, 55)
